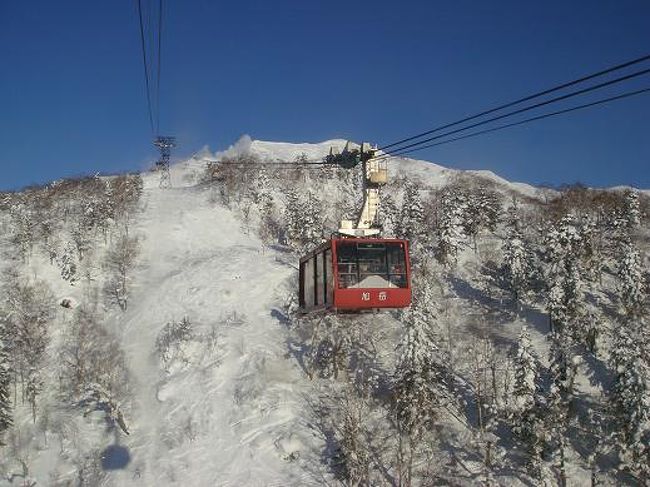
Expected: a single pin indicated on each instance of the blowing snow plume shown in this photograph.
(241, 147)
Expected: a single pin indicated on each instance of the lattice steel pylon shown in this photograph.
(165, 145)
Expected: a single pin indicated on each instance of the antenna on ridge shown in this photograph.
(165, 145)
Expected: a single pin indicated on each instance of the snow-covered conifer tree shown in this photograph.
(420, 379)
(631, 285)
(450, 231)
(517, 257)
(532, 431)
(481, 211)
(312, 230)
(555, 304)
(565, 297)
(574, 298)
(528, 404)
(389, 216)
(420, 385)
(559, 407)
(471, 218)
(303, 217)
(491, 206)
(591, 257)
(262, 189)
(630, 401)
(562, 241)
(632, 211)
(526, 375)
(269, 227)
(411, 224)
(622, 222)
(293, 216)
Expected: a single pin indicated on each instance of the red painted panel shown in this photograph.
(360, 298)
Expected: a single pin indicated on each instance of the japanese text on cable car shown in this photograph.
(381, 296)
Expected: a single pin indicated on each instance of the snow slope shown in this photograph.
(213, 423)
(229, 409)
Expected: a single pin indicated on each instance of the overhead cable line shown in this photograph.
(160, 16)
(525, 109)
(528, 120)
(151, 41)
(521, 100)
(423, 144)
(146, 67)
(419, 146)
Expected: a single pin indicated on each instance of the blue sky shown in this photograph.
(72, 97)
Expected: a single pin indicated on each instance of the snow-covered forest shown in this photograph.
(151, 336)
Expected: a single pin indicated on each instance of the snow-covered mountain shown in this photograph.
(215, 388)
(428, 172)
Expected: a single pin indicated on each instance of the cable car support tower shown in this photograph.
(375, 175)
(165, 146)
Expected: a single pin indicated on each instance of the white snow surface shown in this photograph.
(220, 423)
(288, 152)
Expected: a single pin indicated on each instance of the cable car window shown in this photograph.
(373, 272)
(329, 274)
(346, 262)
(301, 290)
(396, 264)
(371, 265)
(320, 279)
(309, 283)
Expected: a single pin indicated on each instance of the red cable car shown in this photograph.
(356, 274)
